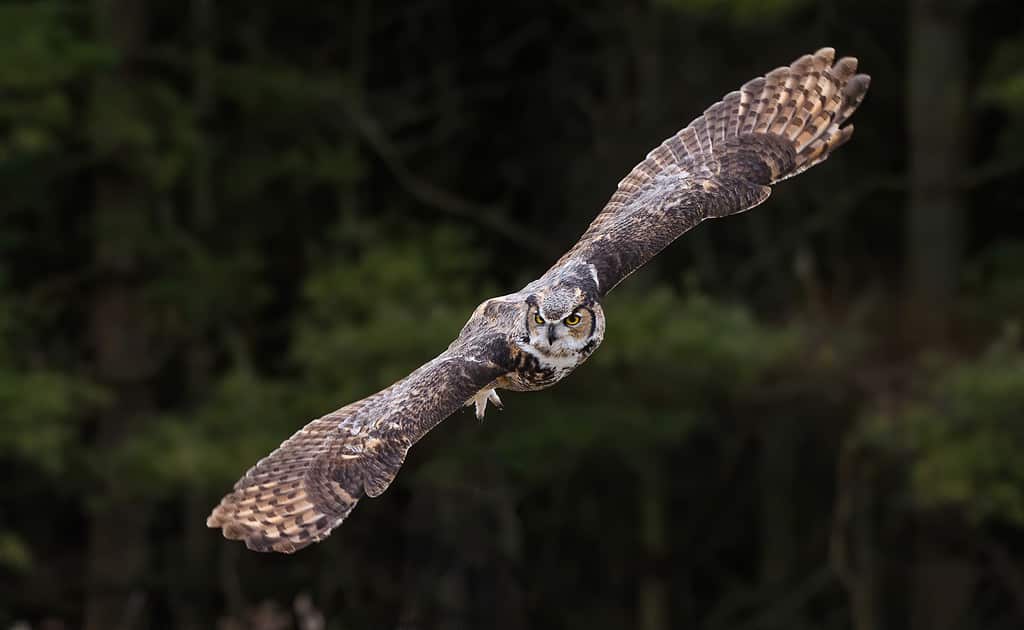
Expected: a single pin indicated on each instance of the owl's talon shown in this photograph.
(482, 398)
(494, 400)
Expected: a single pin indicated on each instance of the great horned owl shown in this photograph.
(722, 163)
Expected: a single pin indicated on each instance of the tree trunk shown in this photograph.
(942, 590)
(854, 553)
(938, 133)
(189, 597)
(938, 122)
(117, 553)
(866, 594)
(778, 519)
(117, 530)
(653, 595)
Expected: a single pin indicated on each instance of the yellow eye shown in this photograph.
(538, 319)
(573, 320)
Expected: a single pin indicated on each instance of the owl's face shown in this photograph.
(564, 327)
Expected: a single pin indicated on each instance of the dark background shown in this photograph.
(222, 219)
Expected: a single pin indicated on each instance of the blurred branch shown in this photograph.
(1007, 571)
(938, 126)
(784, 609)
(133, 611)
(767, 607)
(790, 240)
(704, 257)
(842, 514)
(484, 215)
(202, 106)
(307, 614)
(852, 539)
(819, 221)
(990, 171)
(230, 581)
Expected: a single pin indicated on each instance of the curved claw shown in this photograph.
(494, 400)
(482, 398)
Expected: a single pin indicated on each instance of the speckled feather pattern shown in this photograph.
(722, 163)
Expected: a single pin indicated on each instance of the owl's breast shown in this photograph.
(533, 379)
(534, 370)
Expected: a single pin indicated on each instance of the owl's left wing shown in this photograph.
(299, 493)
(723, 162)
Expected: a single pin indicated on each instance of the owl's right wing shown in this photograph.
(723, 162)
(299, 493)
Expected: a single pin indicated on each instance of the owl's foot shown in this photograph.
(482, 398)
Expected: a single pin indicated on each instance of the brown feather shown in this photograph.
(724, 162)
(299, 493)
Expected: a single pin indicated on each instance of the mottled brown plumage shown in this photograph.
(722, 163)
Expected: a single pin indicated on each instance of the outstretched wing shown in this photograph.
(299, 493)
(723, 162)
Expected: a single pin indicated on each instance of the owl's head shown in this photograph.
(564, 322)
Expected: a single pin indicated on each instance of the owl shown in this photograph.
(722, 163)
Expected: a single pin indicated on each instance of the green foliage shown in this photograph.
(41, 406)
(231, 287)
(274, 257)
(14, 553)
(1002, 88)
(353, 340)
(728, 346)
(241, 419)
(1004, 78)
(993, 281)
(151, 125)
(964, 434)
(43, 59)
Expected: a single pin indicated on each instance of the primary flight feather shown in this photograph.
(722, 163)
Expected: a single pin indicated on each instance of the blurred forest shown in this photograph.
(222, 219)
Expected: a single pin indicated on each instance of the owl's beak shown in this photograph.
(551, 334)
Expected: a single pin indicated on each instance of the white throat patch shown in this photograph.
(561, 362)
